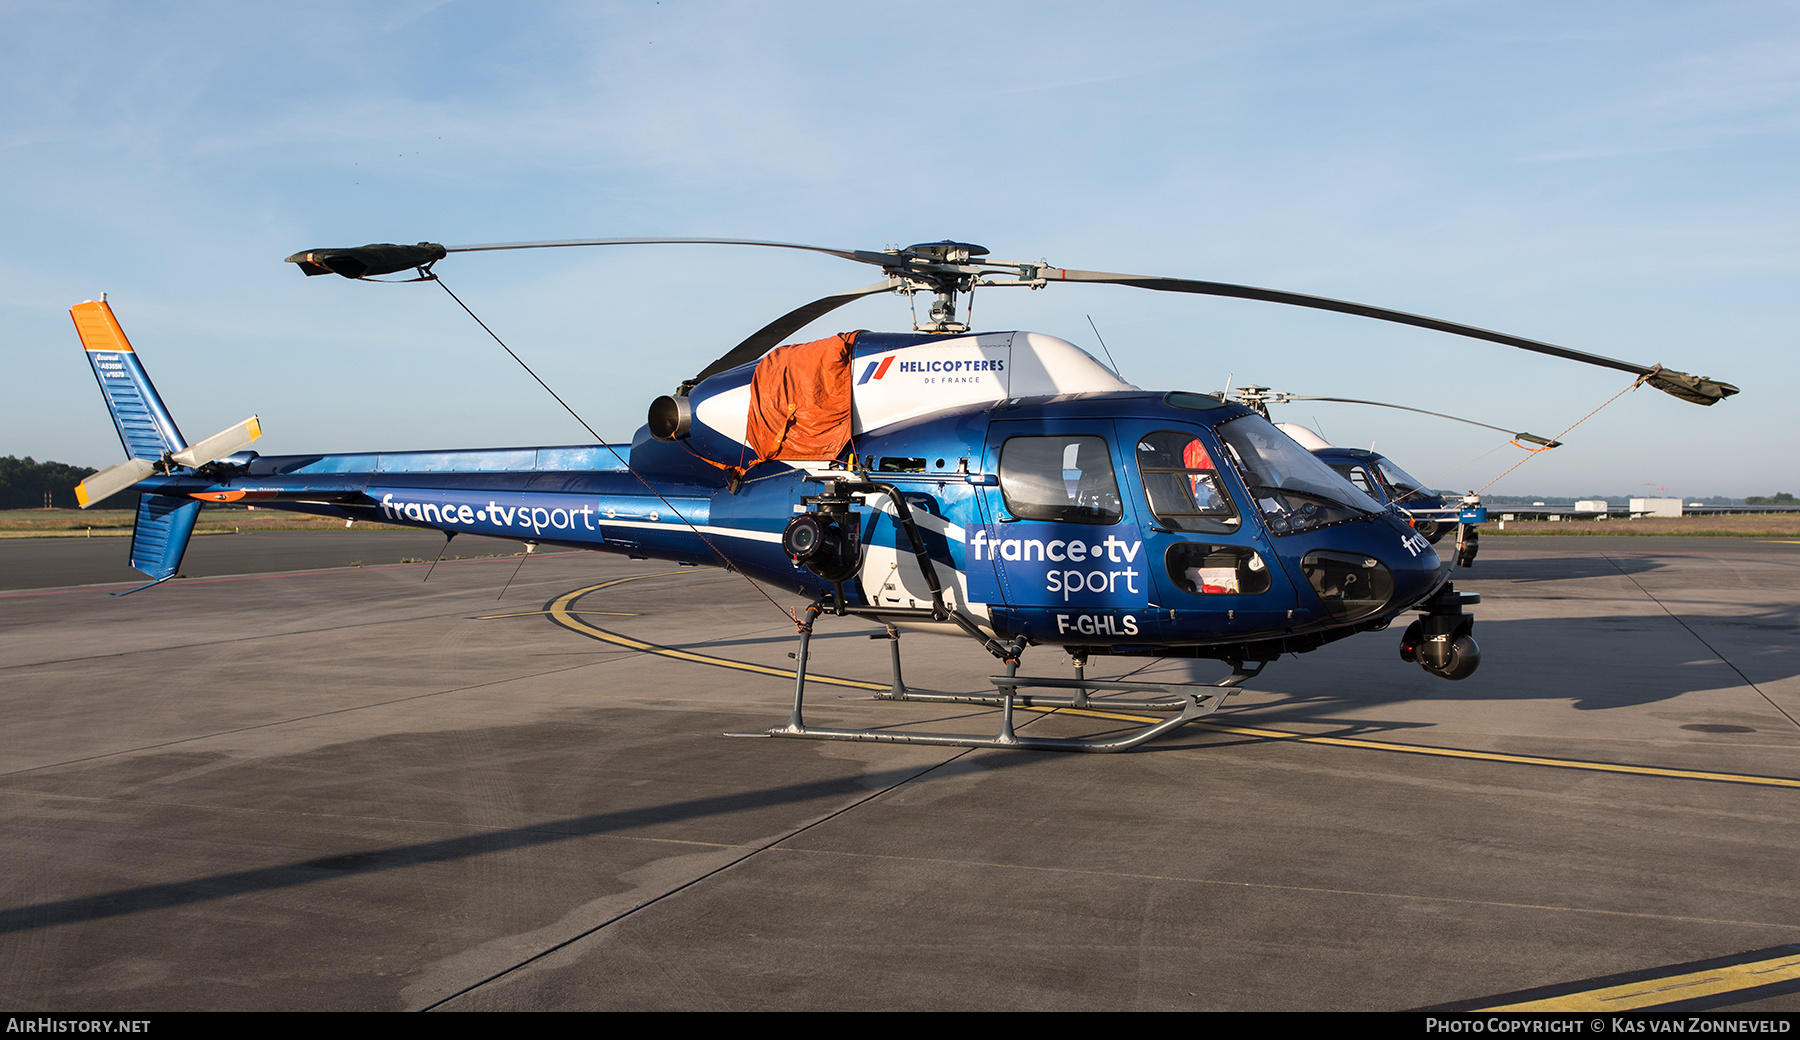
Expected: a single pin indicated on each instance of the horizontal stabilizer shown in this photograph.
(112, 480)
(219, 445)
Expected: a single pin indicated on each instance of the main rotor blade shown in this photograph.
(564, 243)
(380, 258)
(793, 321)
(1698, 389)
(1517, 435)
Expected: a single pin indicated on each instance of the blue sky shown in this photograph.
(1619, 178)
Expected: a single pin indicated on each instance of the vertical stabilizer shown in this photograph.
(145, 426)
(160, 538)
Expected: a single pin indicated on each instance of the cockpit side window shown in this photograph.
(1358, 476)
(1060, 478)
(1183, 484)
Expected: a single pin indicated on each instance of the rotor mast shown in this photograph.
(945, 269)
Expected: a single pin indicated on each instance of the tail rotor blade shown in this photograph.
(219, 445)
(112, 480)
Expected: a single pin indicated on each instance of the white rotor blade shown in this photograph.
(219, 445)
(112, 480)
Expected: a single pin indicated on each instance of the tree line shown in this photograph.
(24, 482)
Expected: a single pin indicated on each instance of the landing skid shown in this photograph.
(1187, 702)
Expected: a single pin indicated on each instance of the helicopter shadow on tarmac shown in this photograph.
(1703, 657)
(358, 759)
(1593, 664)
(1577, 647)
(1493, 567)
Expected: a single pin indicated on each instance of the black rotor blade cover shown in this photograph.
(1698, 389)
(377, 258)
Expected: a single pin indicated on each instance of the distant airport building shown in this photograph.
(1656, 507)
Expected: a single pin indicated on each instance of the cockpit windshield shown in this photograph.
(1295, 491)
(1408, 490)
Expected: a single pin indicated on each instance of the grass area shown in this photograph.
(1753, 525)
(100, 523)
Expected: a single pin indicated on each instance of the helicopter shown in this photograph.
(1003, 486)
(1383, 480)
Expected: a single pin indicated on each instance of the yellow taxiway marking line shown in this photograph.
(1484, 756)
(1653, 992)
(544, 613)
(560, 612)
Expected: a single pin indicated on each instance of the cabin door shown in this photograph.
(1060, 541)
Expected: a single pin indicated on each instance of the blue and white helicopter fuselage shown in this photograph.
(1052, 499)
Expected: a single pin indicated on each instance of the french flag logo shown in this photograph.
(876, 369)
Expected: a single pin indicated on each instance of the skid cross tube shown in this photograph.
(1083, 687)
